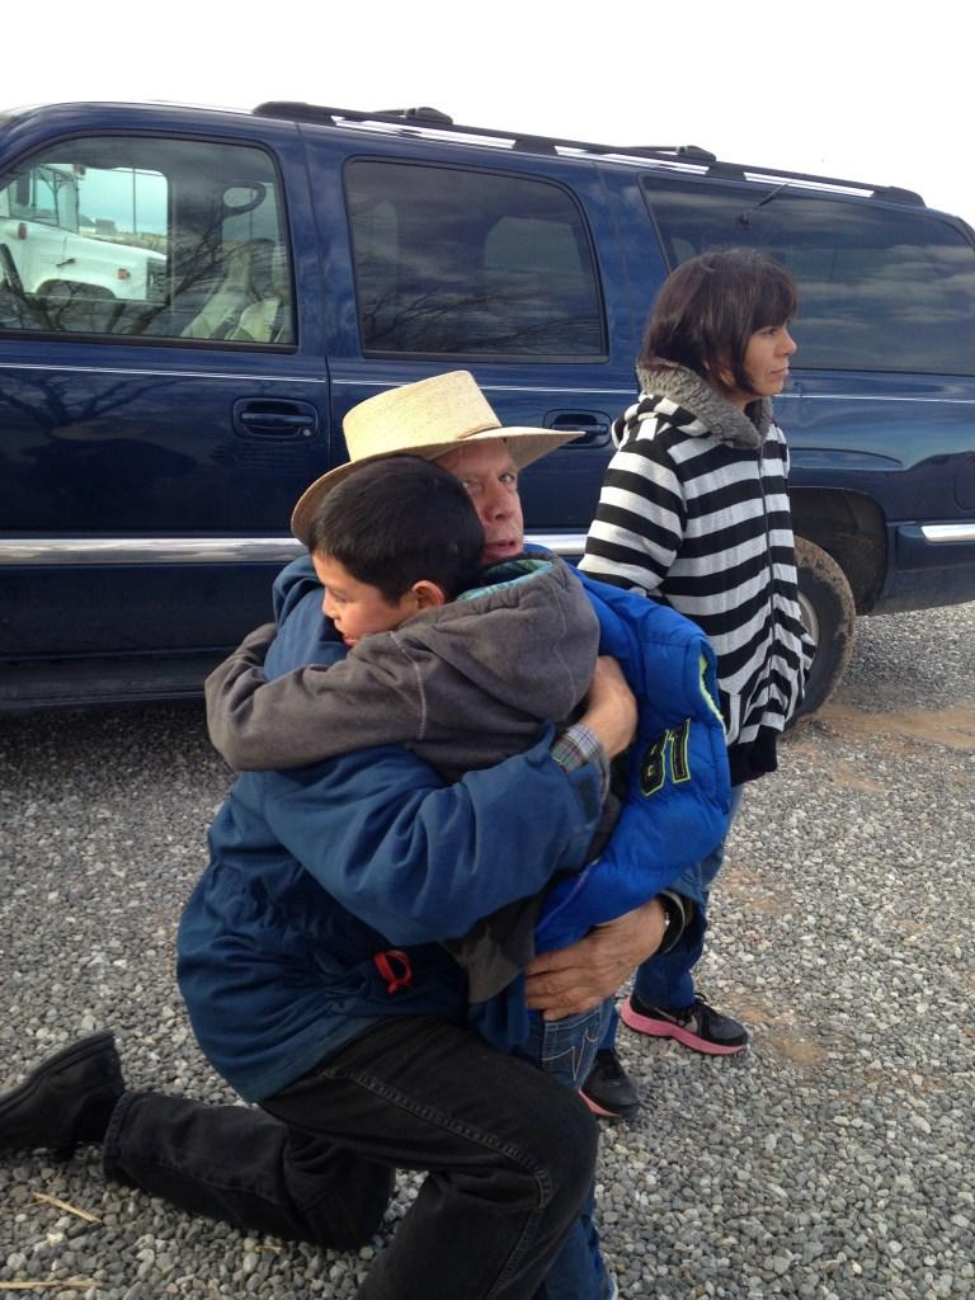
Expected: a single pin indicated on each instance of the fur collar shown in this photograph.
(714, 413)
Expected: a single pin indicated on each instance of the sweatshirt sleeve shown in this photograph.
(639, 523)
(422, 862)
(312, 713)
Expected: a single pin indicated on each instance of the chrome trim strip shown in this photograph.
(879, 397)
(161, 373)
(560, 543)
(195, 550)
(938, 534)
(337, 382)
(301, 378)
(590, 390)
(149, 550)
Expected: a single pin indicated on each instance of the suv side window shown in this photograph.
(471, 264)
(133, 236)
(881, 288)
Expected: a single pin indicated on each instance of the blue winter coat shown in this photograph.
(677, 794)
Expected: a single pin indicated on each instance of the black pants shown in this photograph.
(509, 1155)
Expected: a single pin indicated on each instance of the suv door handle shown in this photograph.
(260, 417)
(593, 426)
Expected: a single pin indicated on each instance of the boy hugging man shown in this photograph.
(459, 664)
(462, 664)
(422, 647)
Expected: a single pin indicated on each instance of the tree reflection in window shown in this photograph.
(467, 263)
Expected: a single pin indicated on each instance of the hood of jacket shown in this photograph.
(525, 641)
(464, 685)
(672, 390)
(527, 636)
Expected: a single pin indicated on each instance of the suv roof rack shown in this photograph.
(433, 119)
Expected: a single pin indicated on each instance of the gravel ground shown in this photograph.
(833, 1160)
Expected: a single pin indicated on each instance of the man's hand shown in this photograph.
(610, 707)
(571, 981)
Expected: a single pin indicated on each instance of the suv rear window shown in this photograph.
(472, 264)
(881, 288)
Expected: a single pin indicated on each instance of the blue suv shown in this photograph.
(190, 301)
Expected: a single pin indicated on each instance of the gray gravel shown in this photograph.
(832, 1160)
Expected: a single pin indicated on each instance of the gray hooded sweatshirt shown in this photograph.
(464, 686)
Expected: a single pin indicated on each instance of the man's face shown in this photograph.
(491, 479)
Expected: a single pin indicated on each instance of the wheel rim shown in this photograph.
(808, 612)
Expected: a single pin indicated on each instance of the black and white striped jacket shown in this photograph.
(694, 509)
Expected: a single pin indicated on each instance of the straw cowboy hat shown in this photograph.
(426, 419)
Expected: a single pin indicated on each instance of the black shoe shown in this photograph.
(67, 1100)
(608, 1089)
(698, 1026)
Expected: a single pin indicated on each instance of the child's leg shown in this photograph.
(667, 982)
(609, 1032)
(566, 1049)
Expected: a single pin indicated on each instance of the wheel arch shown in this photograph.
(852, 529)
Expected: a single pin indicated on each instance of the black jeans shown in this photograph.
(508, 1151)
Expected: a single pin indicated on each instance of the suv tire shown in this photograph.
(829, 613)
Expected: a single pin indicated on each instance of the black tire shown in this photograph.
(829, 613)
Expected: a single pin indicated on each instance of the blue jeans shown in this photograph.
(667, 982)
(566, 1050)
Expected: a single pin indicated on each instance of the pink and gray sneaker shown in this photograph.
(698, 1026)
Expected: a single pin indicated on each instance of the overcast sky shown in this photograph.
(859, 90)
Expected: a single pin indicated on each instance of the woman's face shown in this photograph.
(766, 364)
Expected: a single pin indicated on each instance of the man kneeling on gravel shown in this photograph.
(313, 874)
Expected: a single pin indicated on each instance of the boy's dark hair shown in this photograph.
(398, 520)
(710, 307)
